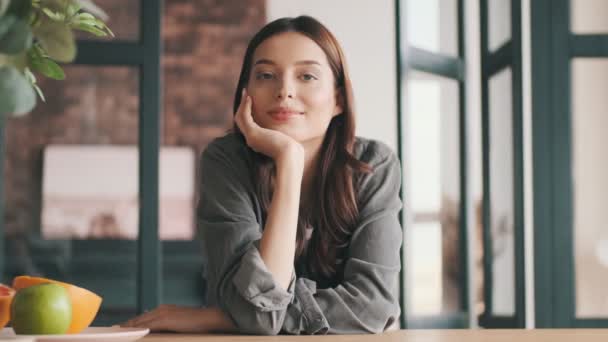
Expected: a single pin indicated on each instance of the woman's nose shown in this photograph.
(285, 90)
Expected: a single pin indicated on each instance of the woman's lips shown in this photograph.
(283, 115)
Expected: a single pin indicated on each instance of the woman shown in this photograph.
(299, 218)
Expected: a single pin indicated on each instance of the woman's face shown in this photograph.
(292, 87)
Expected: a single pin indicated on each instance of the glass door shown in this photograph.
(570, 59)
(502, 136)
(433, 150)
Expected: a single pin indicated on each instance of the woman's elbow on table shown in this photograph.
(379, 316)
(386, 318)
(256, 322)
(257, 312)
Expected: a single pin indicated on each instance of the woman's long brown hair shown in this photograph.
(335, 213)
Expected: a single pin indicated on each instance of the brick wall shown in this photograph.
(204, 44)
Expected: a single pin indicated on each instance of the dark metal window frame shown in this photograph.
(508, 55)
(554, 47)
(413, 58)
(144, 54)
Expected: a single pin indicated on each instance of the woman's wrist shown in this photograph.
(291, 158)
(202, 320)
(217, 321)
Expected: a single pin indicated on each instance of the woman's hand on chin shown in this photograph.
(274, 144)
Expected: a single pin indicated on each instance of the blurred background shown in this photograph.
(496, 108)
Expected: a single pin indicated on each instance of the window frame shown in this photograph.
(554, 48)
(451, 67)
(144, 54)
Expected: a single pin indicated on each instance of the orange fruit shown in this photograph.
(6, 297)
(85, 304)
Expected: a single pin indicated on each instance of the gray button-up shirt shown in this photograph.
(230, 222)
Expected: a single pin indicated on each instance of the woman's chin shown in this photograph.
(294, 132)
(288, 130)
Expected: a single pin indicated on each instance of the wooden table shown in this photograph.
(480, 335)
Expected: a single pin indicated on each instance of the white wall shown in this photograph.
(366, 31)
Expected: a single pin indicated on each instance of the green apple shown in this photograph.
(41, 309)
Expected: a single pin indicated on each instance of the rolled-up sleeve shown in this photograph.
(367, 300)
(238, 281)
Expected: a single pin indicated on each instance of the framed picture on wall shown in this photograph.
(91, 192)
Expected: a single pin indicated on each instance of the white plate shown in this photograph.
(91, 334)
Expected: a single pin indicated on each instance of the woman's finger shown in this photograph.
(137, 320)
(130, 322)
(244, 117)
(133, 322)
(238, 117)
(247, 115)
(152, 323)
(243, 96)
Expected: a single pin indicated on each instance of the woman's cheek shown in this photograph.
(255, 110)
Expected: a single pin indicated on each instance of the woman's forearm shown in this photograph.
(217, 321)
(277, 246)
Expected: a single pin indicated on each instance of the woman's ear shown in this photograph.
(339, 109)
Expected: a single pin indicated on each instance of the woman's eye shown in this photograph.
(308, 77)
(264, 76)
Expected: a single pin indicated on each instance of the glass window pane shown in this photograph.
(433, 121)
(123, 18)
(501, 193)
(590, 185)
(71, 186)
(499, 23)
(433, 25)
(425, 288)
(589, 16)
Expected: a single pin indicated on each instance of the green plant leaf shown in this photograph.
(4, 6)
(15, 35)
(47, 67)
(72, 9)
(91, 29)
(39, 92)
(55, 16)
(57, 40)
(29, 76)
(89, 6)
(95, 26)
(19, 60)
(85, 16)
(32, 79)
(17, 96)
(87, 22)
(38, 60)
(6, 23)
(55, 5)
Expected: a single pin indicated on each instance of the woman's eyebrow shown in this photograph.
(264, 61)
(304, 62)
(308, 62)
